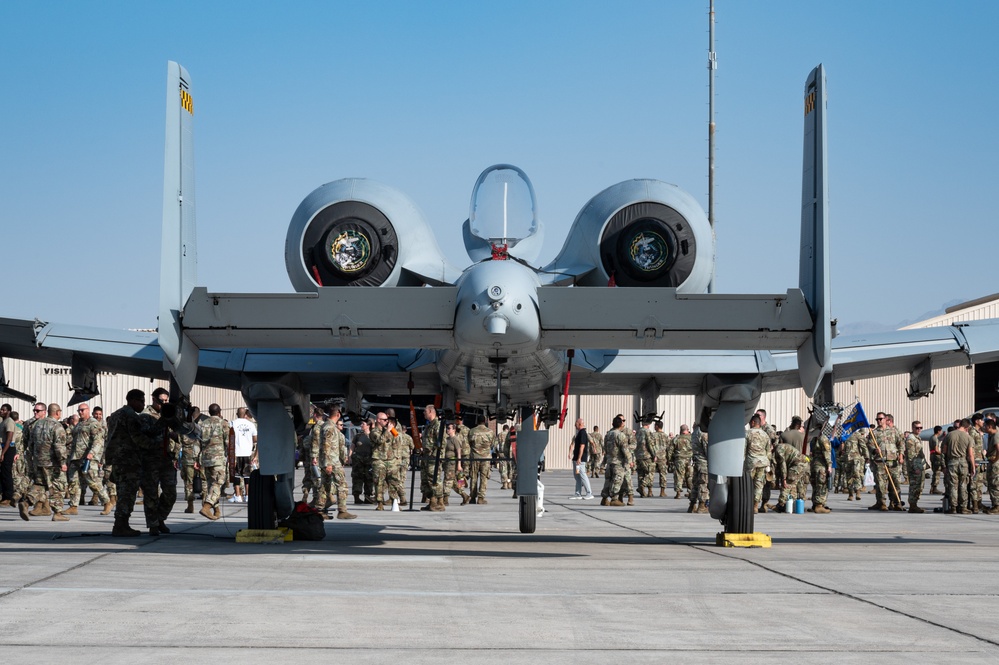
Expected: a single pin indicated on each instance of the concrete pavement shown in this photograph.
(595, 584)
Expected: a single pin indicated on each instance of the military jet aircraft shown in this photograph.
(379, 310)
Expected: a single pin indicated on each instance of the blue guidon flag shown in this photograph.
(854, 420)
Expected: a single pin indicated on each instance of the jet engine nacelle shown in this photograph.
(641, 233)
(358, 232)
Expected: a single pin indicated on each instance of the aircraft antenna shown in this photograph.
(712, 66)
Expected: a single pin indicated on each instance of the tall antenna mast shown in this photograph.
(712, 66)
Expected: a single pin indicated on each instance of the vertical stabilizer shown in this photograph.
(178, 252)
(814, 356)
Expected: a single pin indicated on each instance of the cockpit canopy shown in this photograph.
(503, 212)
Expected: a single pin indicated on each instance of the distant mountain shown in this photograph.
(864, 327)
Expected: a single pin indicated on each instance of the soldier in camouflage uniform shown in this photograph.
(214, 443)
(645, 458)
(503, 452)
(993, 473)
(160, 464)
(86, 451)
(854, 454)
(890, 442)
(331, 458)
(48, 440)
(20, 468)
(958, 449)
(621, 462)
(699, 476)
(402, 450)
(682, 461)
(451, 468)
(660, 442)
(936, 459)
(595, 452)
(757, 460)
(130, 438)
(432, 440)
(977, 481)
(190, 451)
(821, 462)
(104, 471)
(381, 456)
(915, 461)
(310, 447)
(28, 457)
(481, 441)
(360, 466)
(793, 468)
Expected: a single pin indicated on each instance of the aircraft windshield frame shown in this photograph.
(503, 215)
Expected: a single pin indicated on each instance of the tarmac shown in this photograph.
(642, 584)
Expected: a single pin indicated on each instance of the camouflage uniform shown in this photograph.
(161, 462)
(481, 441)
(48, 439)
(22, 481)
(916, 464)
(212, 459)
(936, 462)
(821, 449)
(360, 469)
(310, 447)
(645, 460)
(130, 440)
(331, 456)
(957, 444)
(88, 440)
(190, 450)
(757, 460)
(661, 444)
(28, 458)
(505, 465)
(794, 470)
(381, 456)
(682, 463)
(596, 454)
(889, 440)
(854, 452)
(620, 460)
(402, 450)
(993, 473)
(699, 460)
(450, 456)
(977, 485)
(428, 460)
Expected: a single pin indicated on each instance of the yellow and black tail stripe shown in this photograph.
(186, 101)
(809, 102)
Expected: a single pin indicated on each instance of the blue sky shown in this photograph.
(425, 95)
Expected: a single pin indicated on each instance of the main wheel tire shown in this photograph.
(260, 508)
(740, 512)
(528, 514)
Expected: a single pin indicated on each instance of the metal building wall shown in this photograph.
(50, 383)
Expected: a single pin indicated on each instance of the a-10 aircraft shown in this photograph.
(378, 310)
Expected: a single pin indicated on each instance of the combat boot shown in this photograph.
(780, 508)
(72, 510)
(819, 509)
(436, 505)
(163, 527)
(357, 499)
(380, 506)
(763, 508)
(616, 502)
(218, 512)
(482, 501)
(662, 492)
(93, 501)
(122, 530)
(641, 492)
(604, 501)
(59, 517)
(22, 508)
(465, 498)
(342, 514)
(107, 509)
(692, 508)
(190, 506)
(631, 499)
(430, 504)
(114, 502)
(206, 510)
(994, 510)
(677, 496)
(446, 499)
(402, 502)
(41, 509)
(703, 509)
(915, 509)
(878, 506)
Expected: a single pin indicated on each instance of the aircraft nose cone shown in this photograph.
(496, 324)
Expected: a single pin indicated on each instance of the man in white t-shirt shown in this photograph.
(243, 433)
